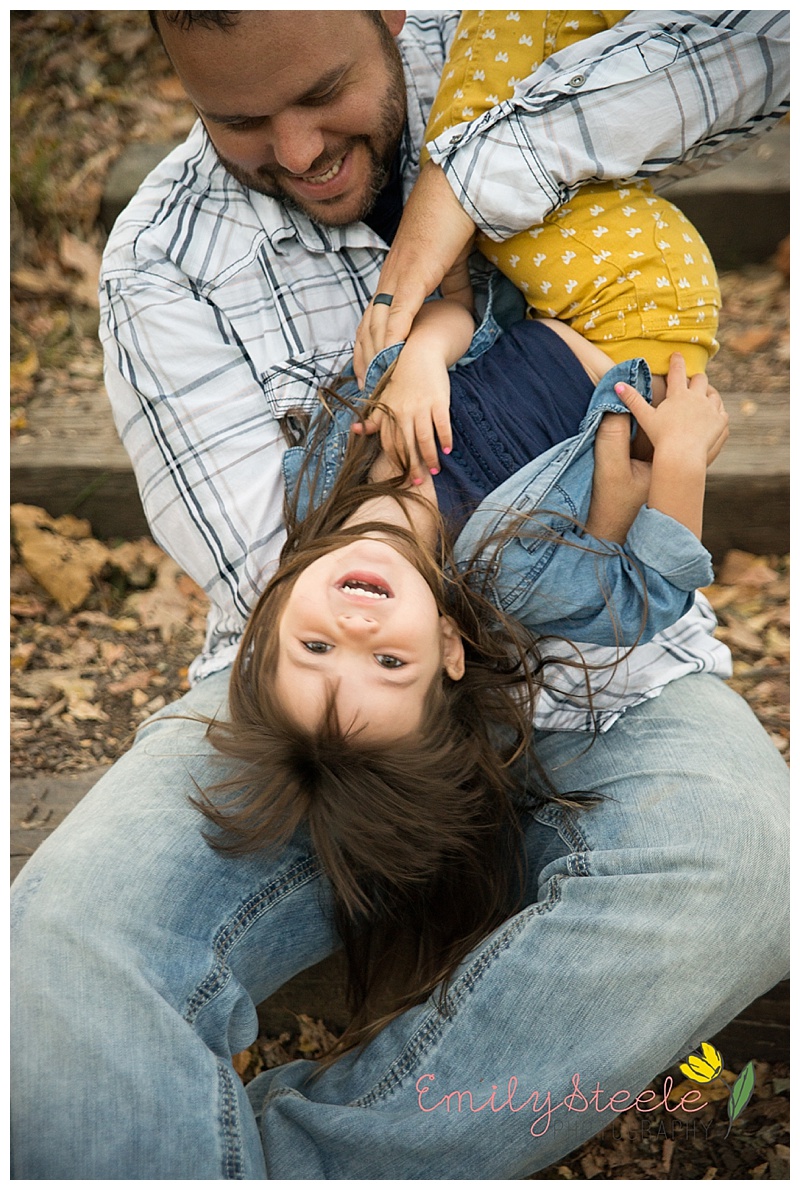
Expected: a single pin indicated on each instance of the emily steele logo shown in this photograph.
(704, 1066)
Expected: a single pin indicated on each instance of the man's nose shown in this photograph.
(358, 625)
(296, 141)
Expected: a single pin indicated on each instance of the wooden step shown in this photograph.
(71, 460)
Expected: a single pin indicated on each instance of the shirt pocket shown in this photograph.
(299, 381)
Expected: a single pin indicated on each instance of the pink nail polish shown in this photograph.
(417, 481)
(619, 389)
(447, 450)
(434, 470)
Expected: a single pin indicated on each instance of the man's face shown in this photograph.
(304, 106)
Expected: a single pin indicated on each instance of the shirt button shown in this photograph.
(577, 80)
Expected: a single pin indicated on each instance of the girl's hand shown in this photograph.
(687, 430)
(418, 394)
(620, 484)
(690, 421)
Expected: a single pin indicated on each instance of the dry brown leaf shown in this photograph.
(750, 570)
(83, 710)
(138, 560)
(776, 643)
(21, 655)
(783, 258)
(111, 652)
(751, 340)
(47, 282)
(171, 604)
(83, 259)
(738, 636)
(139, 680)
(65, 568)
(74, 527)
(26, 605)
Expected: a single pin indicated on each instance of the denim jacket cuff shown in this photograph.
(668, 547)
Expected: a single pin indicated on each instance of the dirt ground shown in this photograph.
(85, 673)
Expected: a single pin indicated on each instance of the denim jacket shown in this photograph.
(555, 578)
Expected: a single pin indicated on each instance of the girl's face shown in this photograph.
(362, 621)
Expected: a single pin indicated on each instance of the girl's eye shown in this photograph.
(317, 646)
(389, 662)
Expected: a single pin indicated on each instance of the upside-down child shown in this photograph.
(382, 689)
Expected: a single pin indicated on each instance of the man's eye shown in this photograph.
(389, 662)
(317, 646)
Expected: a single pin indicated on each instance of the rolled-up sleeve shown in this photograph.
(657, 91)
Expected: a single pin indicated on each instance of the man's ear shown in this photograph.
(394, 20)
(452, 649)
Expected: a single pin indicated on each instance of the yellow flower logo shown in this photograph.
(706, 1065)
(705, 1068)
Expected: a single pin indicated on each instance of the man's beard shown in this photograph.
(380, 147)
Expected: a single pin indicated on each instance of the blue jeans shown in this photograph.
(140, 955)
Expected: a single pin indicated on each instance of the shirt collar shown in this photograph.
(283, 223)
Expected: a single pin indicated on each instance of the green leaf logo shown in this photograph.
(740, 1093)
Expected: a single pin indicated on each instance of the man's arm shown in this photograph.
(198, 415)
(658, 90)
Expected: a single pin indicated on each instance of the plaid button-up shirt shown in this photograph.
(222, 309)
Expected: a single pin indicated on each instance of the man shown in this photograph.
(232, 287)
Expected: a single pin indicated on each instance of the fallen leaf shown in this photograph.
(751, 570)
(83, 259)
(138, 560)
(111, 652)
(170, 605)
(776, 643)
(783, 258)
(751, 340)
(21, 655)
(26, 605)
(739, 636)
(65, 568)
(125, 624)
(41, 282)
(84, 710)
(139, 680)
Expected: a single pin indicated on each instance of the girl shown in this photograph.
(382, 698)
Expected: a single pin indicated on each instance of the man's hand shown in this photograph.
(433, 234)
(620, 485)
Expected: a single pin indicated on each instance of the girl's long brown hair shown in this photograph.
(421, 839)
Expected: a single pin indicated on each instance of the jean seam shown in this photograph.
(432, 1028)
(232, 1148)
(233, 930)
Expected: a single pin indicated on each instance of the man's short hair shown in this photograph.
(186, 19)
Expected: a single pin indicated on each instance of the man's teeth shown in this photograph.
(355, 590)
(320, 179)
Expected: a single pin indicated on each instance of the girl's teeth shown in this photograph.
(319, 179)
(369, 594)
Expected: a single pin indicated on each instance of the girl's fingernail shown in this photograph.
(434, 470)
(446, 450)
(417, 481)
(619, 389)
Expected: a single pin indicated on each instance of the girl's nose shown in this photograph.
(355, 624)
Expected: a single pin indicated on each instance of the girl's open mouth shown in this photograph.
(361, 584)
